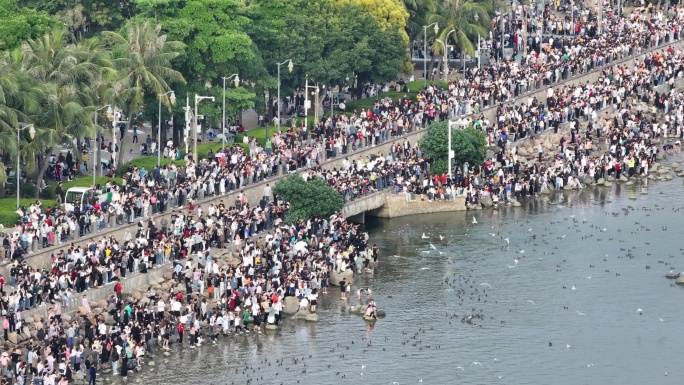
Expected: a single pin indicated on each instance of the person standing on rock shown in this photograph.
(343, 289)
(93, 375)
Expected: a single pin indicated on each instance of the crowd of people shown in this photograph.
(296, 260)
(207, 298)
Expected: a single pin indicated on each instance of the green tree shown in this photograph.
(389, 13)
(469, 145)
(308, 199)
(18, 24)
(63, 73)
(143, 57)
(331, 42)
(460, 17)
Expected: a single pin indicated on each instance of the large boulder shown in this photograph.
(545, 191)
(290, 305)
(601, 181)
(301, 314)
(83, 311)
(356, 309)
(680, 281)
(137, 295)
(487, 201)
(313, 317)
(336, 278)
(14, 337)
(623, 178)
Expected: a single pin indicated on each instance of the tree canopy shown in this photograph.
(19, 24)
(314, 199)
(469, 145)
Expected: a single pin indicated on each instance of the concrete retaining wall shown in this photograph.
(396, 206)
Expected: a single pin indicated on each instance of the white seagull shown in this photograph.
(441, 237)
(508, 240)
(425, 236)
(515, 260)
(485, 284)
(573, 287)
(640, 311)
(474, 220)
(578, 312)
(532, 302)
(433, 247)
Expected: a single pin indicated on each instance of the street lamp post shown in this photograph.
(446, 57)
(32, 133)
(223, 122)
(479, 54)
(172, 99)
(290, 66)
(451, 152)
(425, 27)
(96, 153)
(307, 102)
(194, 145)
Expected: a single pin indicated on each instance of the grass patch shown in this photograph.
(369, 103)
(8, 208)
(86, 181)
(150, 161)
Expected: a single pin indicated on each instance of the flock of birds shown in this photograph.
(471, 304)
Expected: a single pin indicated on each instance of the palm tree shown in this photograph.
(459, 16)
(143, 57)
(63, 72)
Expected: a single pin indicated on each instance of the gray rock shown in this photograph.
(301, 314)
(13, 338)
(545, 191)
(630, 183)
(151, 363)
(487, 201)
(608, 184)
(680, 281)
(313, 317)
(516, 204)
(354, 309)
(623, 178)
(290, 305)
(167, 354)
(380, 313)
(336, 278)
(271, 327)
(601, 181)
(672, 275)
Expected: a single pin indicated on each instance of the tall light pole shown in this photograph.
(223, 122)
(307, 102)
(451, 152)
(479, 54)
(96, 153)
(425, 27)
(446, 57)
(194, 145)
(446, 66)
(290, 66)
(172, 100)
(32, 133)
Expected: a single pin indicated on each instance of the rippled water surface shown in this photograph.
(527, 307)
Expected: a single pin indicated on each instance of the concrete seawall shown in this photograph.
(254, 192)
(396, 206)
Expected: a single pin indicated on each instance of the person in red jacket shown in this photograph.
(181, 329)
